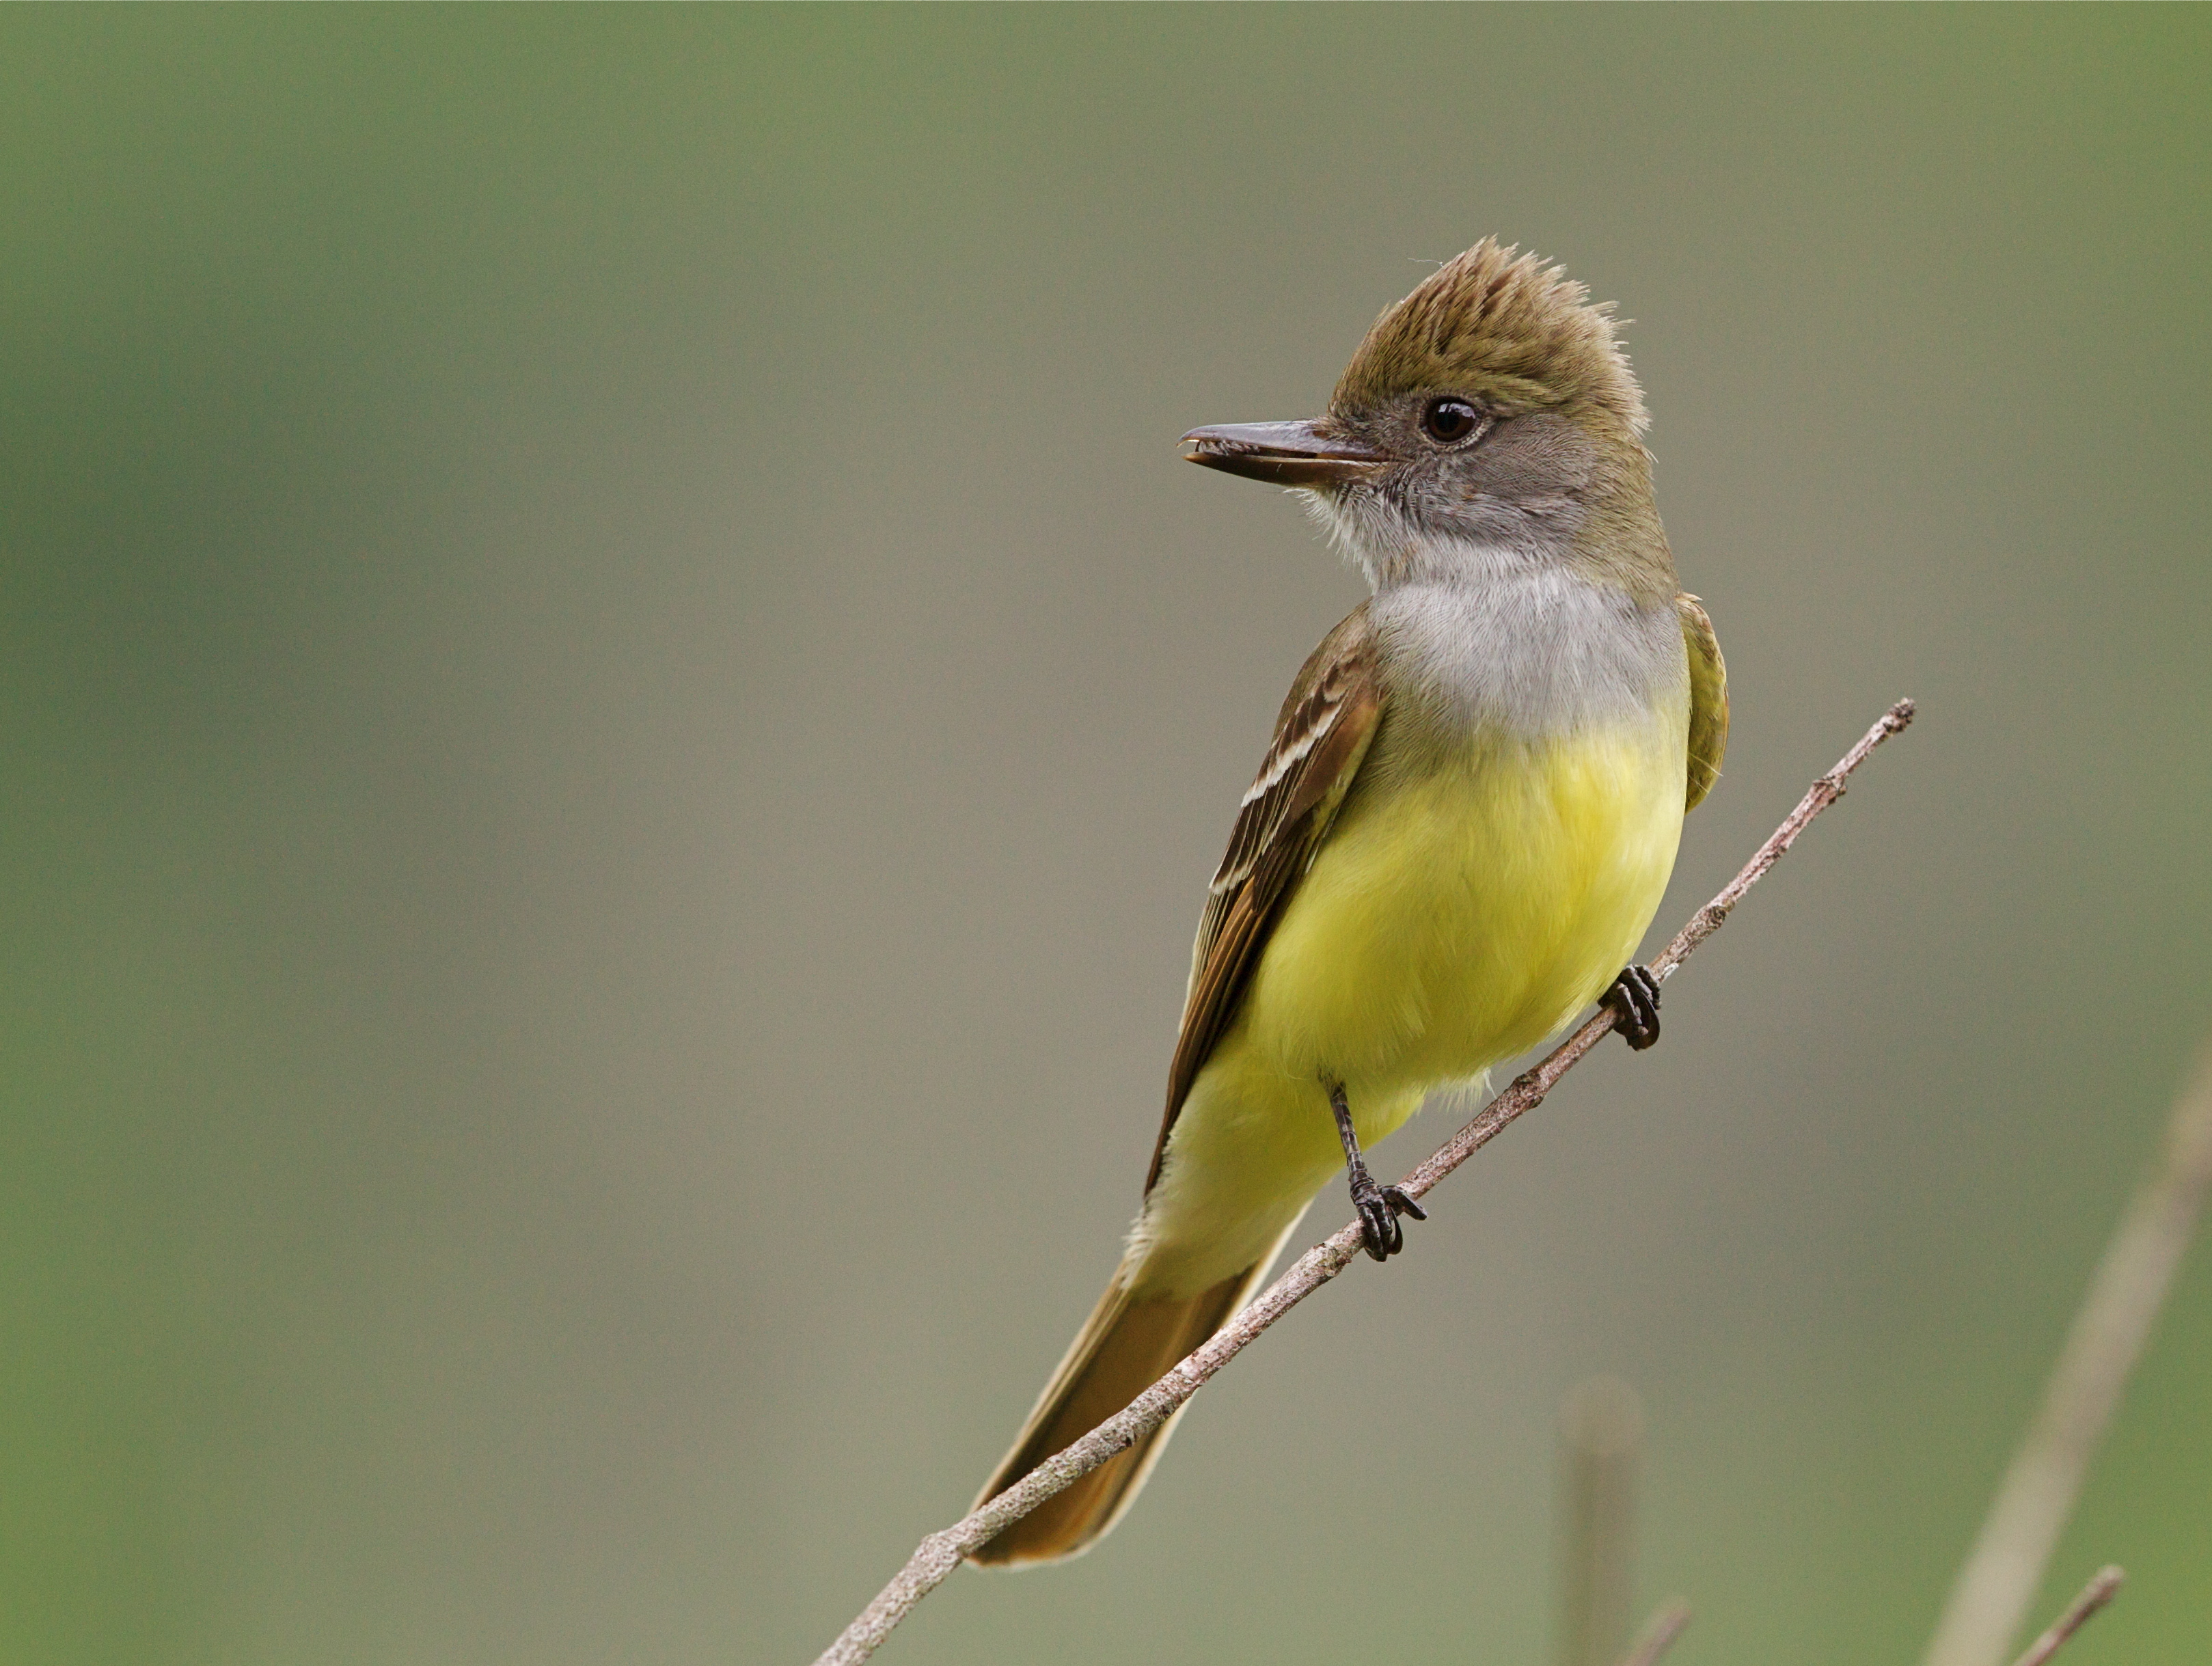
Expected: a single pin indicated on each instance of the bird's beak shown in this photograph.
(1285, 454)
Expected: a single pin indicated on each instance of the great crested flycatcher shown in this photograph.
(1459, 832)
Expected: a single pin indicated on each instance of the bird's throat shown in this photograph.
(1527, 652)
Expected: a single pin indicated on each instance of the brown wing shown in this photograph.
(1709, 701)
(1320, 737)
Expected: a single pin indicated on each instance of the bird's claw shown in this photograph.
(1633, 999)
(1379, 1207)
(1400, 1204)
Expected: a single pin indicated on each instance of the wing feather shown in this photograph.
(1321, 738)
(1709, 700)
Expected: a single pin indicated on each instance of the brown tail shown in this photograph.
(1126, 1345)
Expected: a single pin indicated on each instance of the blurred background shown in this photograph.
(616, 710)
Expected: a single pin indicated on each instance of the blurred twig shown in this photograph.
(2101, 1589)
(936, 1557)
(1601, 1447)
(1660, 1631)
(1999, 1580)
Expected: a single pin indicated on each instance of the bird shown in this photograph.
(1460, 831)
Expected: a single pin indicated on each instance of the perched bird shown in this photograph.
(1459, 832)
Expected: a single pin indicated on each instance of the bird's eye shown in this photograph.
(1448, 422)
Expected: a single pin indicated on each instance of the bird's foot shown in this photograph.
(1379, 1207)
(1633, 999)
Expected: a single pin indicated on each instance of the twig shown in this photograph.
(941, 1551)
(1659, 1634)
(1601, 1448)
(2000, 1578)
(2099, 1591)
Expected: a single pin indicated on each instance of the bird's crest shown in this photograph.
(1507, 329)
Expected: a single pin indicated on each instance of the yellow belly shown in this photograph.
(1449, 921)
(1458, 920)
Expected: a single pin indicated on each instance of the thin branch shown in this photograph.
(936, 1557)
(1999, 1579)
(2099, 1591)
(1600, 1448)
(1660, 1631)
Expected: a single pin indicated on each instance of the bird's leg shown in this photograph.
(1379, 1207)
(1633, 999)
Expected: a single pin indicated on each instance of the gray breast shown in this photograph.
(1535, 653)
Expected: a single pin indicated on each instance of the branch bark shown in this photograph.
(1999, 1579)
(2101, 1589)
(936, 1557)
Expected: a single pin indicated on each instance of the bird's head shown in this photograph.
(1489, 420)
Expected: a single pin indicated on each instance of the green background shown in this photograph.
(615, 710)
